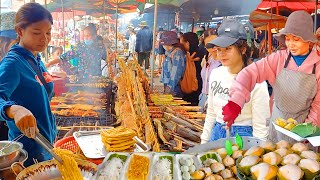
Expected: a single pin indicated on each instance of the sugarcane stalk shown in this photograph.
(181, 121)
(185, 141)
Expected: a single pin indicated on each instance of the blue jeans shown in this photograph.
(219, 132)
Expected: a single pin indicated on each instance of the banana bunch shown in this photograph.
(286, 124)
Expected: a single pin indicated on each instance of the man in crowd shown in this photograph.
(144, 44)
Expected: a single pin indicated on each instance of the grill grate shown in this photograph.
(70, 121)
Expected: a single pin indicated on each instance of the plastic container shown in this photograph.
(196, 163)
(124, 175)
(212, 154)
(60, 86)
(106, 159)
(156, 158)
(71, 144)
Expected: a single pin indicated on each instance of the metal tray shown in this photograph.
(248, 142)
(90, 143)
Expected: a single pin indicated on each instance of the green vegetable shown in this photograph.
(122, 157)
(209, 156)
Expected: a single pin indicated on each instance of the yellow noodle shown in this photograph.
(69, 168)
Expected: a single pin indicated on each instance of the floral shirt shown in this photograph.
(87, 59)
(173, 70)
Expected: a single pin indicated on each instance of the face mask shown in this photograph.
(88, 42)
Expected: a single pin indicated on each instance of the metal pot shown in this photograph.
(49, 170)
(7, 173)
(10, 154)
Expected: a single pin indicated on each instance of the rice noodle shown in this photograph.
(112, 170)
(162, 170)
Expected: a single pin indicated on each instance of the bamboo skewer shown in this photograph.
(70, 127)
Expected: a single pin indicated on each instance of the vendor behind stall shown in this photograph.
(89, 55)
(293, 73)
(7, 37)
(25, 86)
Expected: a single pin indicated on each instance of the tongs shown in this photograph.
(228, 144)
(47, 145)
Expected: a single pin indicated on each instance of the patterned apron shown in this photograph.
(293, 94)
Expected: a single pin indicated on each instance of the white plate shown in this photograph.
(288, 133)
(124, 175)
(196, 163)
(156, 158)
(91, 144)
(315, 140)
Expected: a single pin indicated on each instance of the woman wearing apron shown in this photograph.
(293, 73)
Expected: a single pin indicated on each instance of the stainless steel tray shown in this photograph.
(91, 144)
(248, 142)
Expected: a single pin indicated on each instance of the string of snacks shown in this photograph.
(179, 127)
(131, 107)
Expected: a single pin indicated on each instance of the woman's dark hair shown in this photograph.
(209, 32)
(5, 44)
(31, 13)
(254, 51)
(193, 40)
(180, 46)
(92, 29)
(241, 45)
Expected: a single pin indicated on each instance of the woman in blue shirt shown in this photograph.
(25, 86)
(174, 65)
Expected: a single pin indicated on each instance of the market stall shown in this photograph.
(158, 136)
(85, 105)
(121, 128)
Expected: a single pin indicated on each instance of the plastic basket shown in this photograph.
(68, 143)
(71, 144)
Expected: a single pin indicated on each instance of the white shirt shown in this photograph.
(132, 43)
(254, 113)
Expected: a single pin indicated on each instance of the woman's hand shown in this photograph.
(24, 120)
(204, 61)
(192, 58)
(52, 62)
(230, 112)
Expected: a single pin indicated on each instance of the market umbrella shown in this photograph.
(294, 5)
(268, 21)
